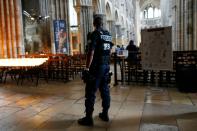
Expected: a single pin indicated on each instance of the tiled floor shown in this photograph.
(56, 106)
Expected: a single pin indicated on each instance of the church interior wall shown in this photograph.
(121, 18)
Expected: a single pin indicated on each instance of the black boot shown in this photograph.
(104, 116)
(86, 121)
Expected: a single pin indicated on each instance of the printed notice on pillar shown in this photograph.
(60, 36)
(156, 47)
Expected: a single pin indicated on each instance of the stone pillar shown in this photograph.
(45, 35)
(112, 29)
(11, 31)
(195, 24)
(181, 16)
(118, 34)
(57, 9)
(52, 14)
(185, 25)
(123, 32)
(19, 27)
(60, 11)
(67, 12)
(8, 28)
(1, 39)
(109, 26)
(113, 32)
(52, 2)
(84, 16)
(190, 24)
(3, 33)
(177, 22)
(173, 23)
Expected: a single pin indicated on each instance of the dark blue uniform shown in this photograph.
(101, 43)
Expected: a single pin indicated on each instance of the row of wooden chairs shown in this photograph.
(133, 72)
(57, 67)
(181, 59)
(149, 76)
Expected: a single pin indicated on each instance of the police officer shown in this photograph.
(98, 58)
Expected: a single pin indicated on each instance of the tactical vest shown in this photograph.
(103, 47)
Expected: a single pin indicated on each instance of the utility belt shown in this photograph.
(88, 77)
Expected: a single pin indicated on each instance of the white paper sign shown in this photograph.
(156, 48)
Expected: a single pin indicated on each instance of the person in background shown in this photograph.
(117, 49)
(132, 53)
(97, 64)
(118, 52)
(122, 47)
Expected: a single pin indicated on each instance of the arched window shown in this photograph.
(157, 12)
(108, 11)
(150, 12)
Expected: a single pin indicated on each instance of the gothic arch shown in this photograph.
(108, 11)
(117, 17)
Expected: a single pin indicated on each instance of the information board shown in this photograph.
(156, 48)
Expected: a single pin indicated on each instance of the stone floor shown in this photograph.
(56, 106)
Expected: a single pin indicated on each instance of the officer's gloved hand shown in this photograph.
(85, 75)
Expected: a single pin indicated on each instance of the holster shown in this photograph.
(109, 77)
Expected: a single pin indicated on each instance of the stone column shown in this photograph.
(181, 31)
(45, 35)
(8, 28)
(13, 26)
(11, 31)
(111, 26)
(52, 14)
(1, 44)
(180, 24)
(52, 2)
(57, 9)
(112, 29)
(118, 34)
(3, 33)
(174, 28)
(190, 24)
(60, 11)
(84, 16)
(185, 7)
(177, 22)
(123, 31)
(195, 24)
(19, 27)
